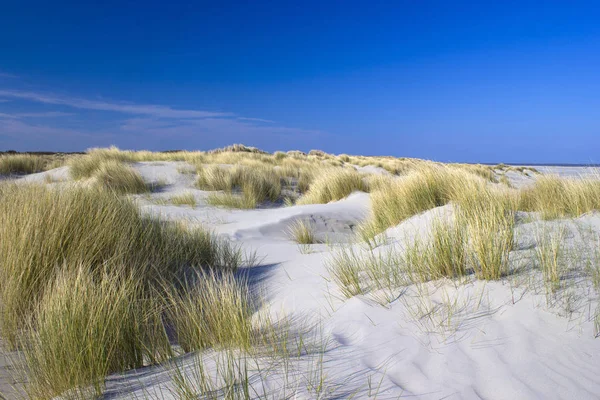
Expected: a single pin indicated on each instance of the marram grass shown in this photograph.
(84, 278)
(86, 327)
(22, 164)
(412, 194)
(184, 199)
(334, 184)
(556, 197)
(213, 310)
(243, 187)
(302, 232)
(120, 178)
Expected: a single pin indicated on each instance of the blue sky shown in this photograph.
(450, 81)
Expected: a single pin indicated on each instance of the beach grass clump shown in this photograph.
(243, 187)
(333, 184)
(317, 153)
(378, 181)
(42, 229)
(446, 251)
(369, 233)
(259, 185)
(184, 199)
(346, 267)
(483, 171)
(549, 254)
(86, 327)
(556, 197)
(86, 165)
(305, 179)
(213, 310)
(302, 232)
(359, 271)
(216, 177)
(120, 178)
(229, 200)
(441, 253)
(84, 277)
(279, 155)
(489, 216)
(22, 164)
(110, 170)
(412, 194)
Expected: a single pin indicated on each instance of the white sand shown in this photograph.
(492, 340)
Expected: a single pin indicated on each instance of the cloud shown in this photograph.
(212, 126)
(141, 109)
(5, 75)
(268, 121)
(153, 134)
(49, 114)
(151, 126)
(20, 135)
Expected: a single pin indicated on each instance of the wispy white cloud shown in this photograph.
(268, 121)
(136, 126)
(244, 130)
(19, 134)
(48, 114)
(141, 109)
(5, 75)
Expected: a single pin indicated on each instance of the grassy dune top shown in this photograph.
(257, 176)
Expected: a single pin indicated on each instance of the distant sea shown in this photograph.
(545, 165)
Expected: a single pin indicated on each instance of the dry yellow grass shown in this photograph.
(29, 163)
(120, 178)
(254, 186)
(302, 232)
(334, 184)
(41, 228)
(556, 197)
(213, 310)
(86, 327)
(185, 199)
(418, 191)
(488, 213)
(83, 283)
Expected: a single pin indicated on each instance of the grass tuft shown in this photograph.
(549, 255)
(214, 310)
(302, 232)
(22, 164)
(84, 285)
(442, 253)
(346, 267)
(556, 197)
(185, 199)
(229, 200)
(86, 165)
(120, 178)
(42, 229)
(332, 185)
(86, 327)
(419, 191)
(256, 185)
(489, 216)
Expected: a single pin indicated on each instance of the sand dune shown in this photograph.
(505, 339)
